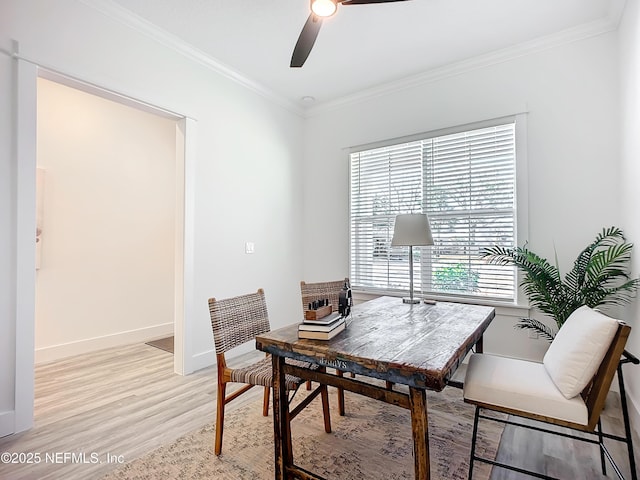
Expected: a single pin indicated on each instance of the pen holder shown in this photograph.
(319, 313)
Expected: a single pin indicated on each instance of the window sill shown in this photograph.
(502, 307)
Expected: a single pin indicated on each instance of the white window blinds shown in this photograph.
(465, 183)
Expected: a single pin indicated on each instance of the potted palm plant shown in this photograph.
(600, 276)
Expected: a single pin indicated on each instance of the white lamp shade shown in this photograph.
(412, 229)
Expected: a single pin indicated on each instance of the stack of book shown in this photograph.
(324, 328)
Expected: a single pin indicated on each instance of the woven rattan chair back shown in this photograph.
(321, 291)
(238, 320)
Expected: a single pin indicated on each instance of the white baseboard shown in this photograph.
(56, 352)
(7, 423)
(208, 358)
(203, 360)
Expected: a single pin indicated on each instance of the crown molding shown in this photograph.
(137, 23)
(616, 10)
(587, 30)
(580, 32)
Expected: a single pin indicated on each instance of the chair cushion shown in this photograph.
(261, 373)
(519, 385)
(578, 349)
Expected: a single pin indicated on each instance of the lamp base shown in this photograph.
(410, 300)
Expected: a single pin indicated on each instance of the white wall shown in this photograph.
(571, 95)
(630, 175)
(106, 275)
(246, 172)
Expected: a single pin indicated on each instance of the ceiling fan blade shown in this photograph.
(306, 40)
(365, 2)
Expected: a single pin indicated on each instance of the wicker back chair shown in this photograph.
(322, 291)
(235, 321)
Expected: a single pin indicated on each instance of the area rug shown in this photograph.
(372, 441)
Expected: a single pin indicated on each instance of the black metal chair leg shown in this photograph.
(473, 442)
(603, 463)
(625, 417)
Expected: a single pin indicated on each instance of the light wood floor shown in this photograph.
(121, 402)
(124, 402)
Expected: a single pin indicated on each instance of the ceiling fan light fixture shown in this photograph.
(324, 8)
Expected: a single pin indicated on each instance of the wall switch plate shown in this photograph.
(249, 247)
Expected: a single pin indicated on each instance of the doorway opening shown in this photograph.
(106, 229)
(27, 75)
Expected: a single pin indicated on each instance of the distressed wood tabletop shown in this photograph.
(419, 345)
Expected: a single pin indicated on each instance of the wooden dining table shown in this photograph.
(418, 345)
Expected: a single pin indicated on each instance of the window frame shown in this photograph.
(521, 209)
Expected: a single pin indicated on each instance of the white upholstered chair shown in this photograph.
(568, 388)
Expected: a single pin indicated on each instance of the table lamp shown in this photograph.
(411, 229)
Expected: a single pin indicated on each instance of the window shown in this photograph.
(466, 183)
